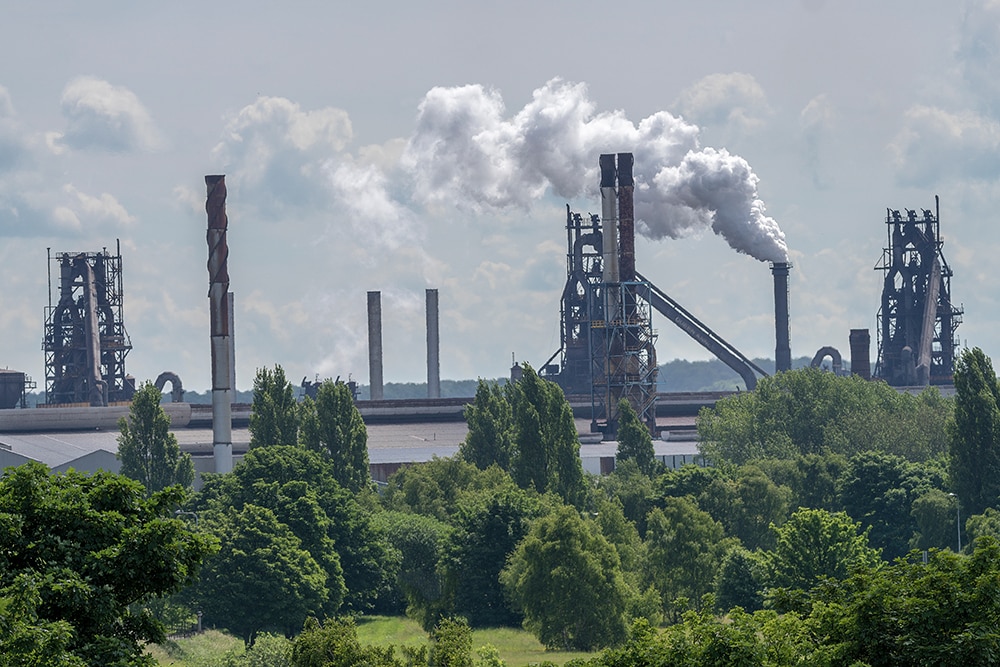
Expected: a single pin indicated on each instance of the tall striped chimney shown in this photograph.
(218, 299)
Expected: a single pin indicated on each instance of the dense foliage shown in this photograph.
(79, 556)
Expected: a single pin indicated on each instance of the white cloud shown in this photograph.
(6, 105)
(102, 116)
(978, 52)
(720, 99)
(279, 151)
(816, 125)
(934, 145)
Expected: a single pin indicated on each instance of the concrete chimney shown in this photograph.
(433, 346)
(861, 341)
(219, 309)
(609, 219)
(782, 329)
(375, 345)
(626, 218)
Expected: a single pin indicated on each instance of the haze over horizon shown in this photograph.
(396, 148)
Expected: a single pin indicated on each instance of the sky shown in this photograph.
(403, 146)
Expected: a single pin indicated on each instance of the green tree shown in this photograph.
(816, 544)
(261, 579)
(273, 415)
(808, 411)
(333, 426)
(488, 527)
(684, 547)
(634, 490)
(566, 578)
(747, 504)
(739, 582)
(634, 440)
(490, 421)
(420, 541)
(547, 448)
(335, 644)
(974, 456)
(934, 514)
(451, 644)
(147, 449)
(75, 553)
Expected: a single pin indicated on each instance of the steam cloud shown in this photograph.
(465, 150)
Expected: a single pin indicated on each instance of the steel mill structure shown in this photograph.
(85, 340)
(917, 320)
(607, 340)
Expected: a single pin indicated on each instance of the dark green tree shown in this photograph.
(934, 513)
(974, 457)
(333, 426)
(273, 415)
(634, 440)
(420, 541)
(488, 527)
(684, 547)
(739, 582)
(147, 449)
(76, 552)
(546, 445)
(490, 421)
(566, 578)
(261, 579)
(747, 504)
(299, 487)
(634, 490)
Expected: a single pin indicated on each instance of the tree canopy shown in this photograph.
(273, 414)
(975, 433)
(332, 426)
(147, 449)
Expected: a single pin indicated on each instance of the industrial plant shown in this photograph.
(606, 354)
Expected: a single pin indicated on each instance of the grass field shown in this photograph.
(517, 647)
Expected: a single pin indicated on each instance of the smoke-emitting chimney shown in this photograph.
(626, 218)
(375, 345)
(218, 295)
(782, 335)
(433, 346)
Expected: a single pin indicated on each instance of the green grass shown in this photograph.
(517, 647)
(195, 651)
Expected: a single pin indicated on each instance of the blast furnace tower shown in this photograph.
(85, 339)
(917, 320)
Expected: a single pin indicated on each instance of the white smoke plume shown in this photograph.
(465, 151)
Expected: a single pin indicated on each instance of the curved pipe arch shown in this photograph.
(833, 353)
(176, 388)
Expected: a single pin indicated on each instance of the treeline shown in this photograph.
(802, 544)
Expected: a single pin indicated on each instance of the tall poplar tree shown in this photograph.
(974, 433)
(332, 426)
(273, 418)
(147, 449)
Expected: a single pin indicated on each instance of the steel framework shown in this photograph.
(85, 340)
(917, 320)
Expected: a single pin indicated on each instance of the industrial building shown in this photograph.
(607, 349)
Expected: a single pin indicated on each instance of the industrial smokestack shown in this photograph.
(433, 346)
(609, 219)
(375, 345)
(861, 364)
(626, 218)
(218, 295)
(782, 335)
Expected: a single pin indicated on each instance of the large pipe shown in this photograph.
(782, 335)
(626, 218)
(218, 298)
(433, 346)
(375, 345)
(609, 219)
(98, 389)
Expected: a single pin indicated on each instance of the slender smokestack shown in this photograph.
(609, 219)
(861, 365)
(232, 343)
(433, 346)
(626, 218)
(782, 335)
(375, 345)
(218, 298)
